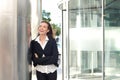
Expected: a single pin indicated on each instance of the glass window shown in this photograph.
(112, 39)
(85, 39)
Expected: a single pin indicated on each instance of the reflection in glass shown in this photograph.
(85, 63)
(83, 15)
(85, 39)
(112, 39)
(93, 45)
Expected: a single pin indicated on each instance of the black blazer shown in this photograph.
(50, 51)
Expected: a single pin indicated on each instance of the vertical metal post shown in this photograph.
(103, 54)
(65, 41)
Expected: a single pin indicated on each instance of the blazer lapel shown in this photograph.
(47, 45)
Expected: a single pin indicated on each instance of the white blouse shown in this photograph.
(45, 68)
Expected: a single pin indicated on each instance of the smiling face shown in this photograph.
(43, 28)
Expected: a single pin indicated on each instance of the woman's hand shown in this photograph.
(36, 56)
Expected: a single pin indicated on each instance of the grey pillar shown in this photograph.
(13, 40)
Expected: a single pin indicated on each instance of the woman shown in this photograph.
(45, 53)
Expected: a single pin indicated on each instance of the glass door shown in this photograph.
(85, 40)
(112, 39)
(91, 40)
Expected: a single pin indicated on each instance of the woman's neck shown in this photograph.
(42, 37)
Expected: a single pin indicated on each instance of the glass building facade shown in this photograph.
(91, 42)
(91, 39)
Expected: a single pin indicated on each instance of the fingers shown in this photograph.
(36, 55)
